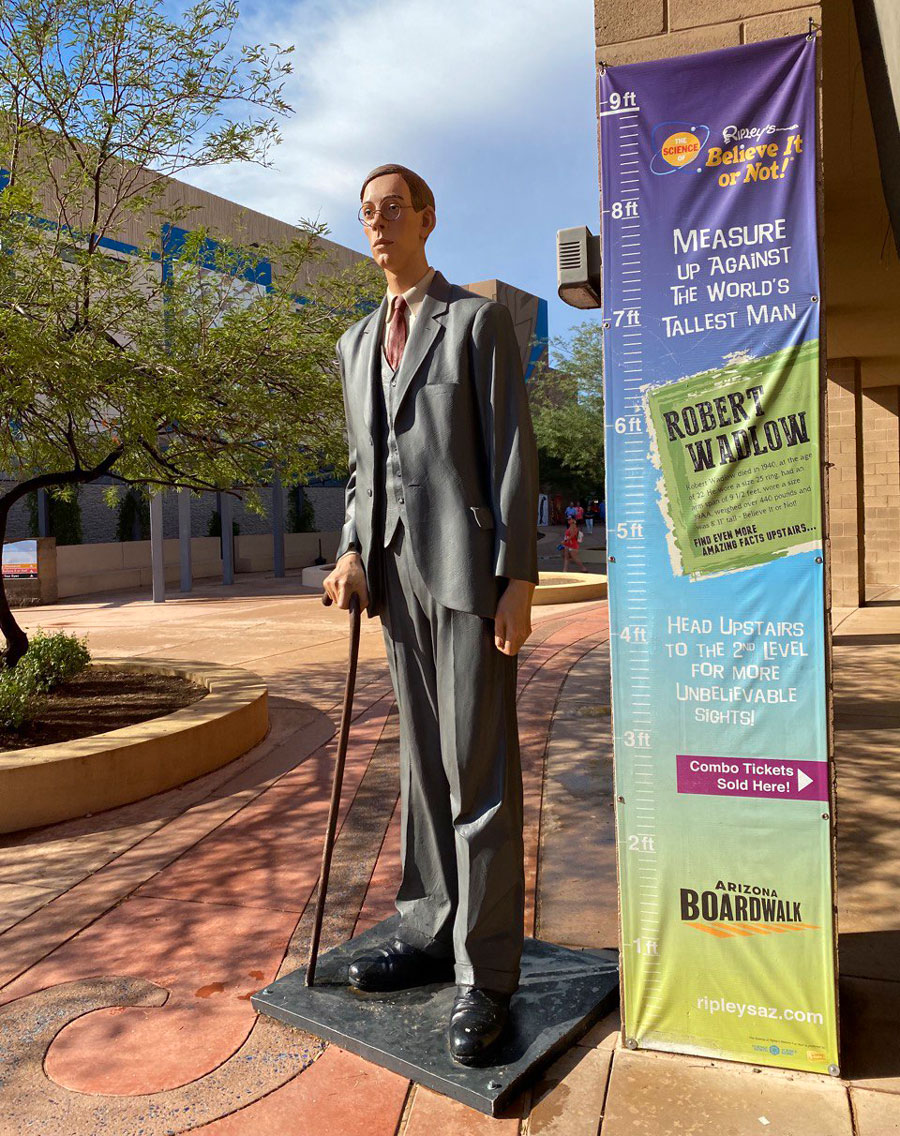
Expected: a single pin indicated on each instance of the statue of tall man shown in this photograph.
(439, 540)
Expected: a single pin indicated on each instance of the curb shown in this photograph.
(50, 783)
(581, 586)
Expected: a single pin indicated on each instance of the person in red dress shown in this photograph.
(570, 542)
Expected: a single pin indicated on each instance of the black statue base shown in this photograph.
(561, 994)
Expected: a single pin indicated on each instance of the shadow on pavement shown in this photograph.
(870, 1005)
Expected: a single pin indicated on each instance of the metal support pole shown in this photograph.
(157, 556)
(227, 538)
(184, 539)
(43, 513)
(277, 525)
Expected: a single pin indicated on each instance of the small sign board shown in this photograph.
(20, 560)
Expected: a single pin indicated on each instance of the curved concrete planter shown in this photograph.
(314, 576)
(578, 586)
(50, 783)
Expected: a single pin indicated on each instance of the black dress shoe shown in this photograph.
(397, 966)
(476, 1023)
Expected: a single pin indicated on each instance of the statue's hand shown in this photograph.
(347, 579)
(512, 622)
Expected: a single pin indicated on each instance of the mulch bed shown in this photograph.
(101, 700)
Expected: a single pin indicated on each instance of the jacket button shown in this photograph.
(369, 491)
(401, 500)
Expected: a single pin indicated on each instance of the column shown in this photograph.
(845, 483)
(881, 482)
(157, 555)
(277, 525)
(184, 539)
(227, 538)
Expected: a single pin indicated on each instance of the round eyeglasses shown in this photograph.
(389, 210)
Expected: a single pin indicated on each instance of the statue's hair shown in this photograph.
(419, 193)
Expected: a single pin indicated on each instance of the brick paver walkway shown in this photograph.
(131, 941)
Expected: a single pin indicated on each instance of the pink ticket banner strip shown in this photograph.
(777, 778)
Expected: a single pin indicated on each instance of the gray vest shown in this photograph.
(395, 510)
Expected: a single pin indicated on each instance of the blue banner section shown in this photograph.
(716, 576)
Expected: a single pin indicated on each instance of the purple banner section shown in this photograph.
(776, 778)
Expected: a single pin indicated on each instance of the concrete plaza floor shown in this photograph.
(131, 941)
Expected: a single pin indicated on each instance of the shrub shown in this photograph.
(301, 514)
(133, 521)
(215, 525)
(19, 701)
(65, 516)
(51, 659)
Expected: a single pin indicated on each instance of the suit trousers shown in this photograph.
(462, 893)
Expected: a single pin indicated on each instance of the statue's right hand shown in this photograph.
(347, 579)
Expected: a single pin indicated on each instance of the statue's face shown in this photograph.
(396, 244)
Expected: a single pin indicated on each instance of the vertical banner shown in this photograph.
(711, 319)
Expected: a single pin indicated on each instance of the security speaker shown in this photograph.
(578, 267)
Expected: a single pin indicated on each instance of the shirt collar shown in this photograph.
(415, 296)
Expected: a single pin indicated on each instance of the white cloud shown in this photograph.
(404, 81)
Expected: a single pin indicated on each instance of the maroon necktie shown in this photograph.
(395, 340)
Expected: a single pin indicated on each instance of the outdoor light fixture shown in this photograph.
(578, 267)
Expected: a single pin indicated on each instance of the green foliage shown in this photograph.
(133, 521)
(19, 702)
(64, 509)
(49, 661)
(567, 409)
(215, 525)
(192, 376)
(301, 513)
(52, 659)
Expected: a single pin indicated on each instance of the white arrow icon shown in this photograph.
(802, 780)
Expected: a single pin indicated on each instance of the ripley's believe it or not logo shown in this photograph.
(676, 146)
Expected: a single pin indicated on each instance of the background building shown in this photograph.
(324, 495)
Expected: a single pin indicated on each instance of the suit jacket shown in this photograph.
(466, 449)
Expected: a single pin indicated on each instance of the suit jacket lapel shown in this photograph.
(425, 329)
(371, 349)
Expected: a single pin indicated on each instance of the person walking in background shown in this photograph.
(571, 539)
(570, 510)
(579, 513)
(589, 516)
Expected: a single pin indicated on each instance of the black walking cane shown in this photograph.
(336, 786)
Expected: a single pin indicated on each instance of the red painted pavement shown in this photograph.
(211, 925)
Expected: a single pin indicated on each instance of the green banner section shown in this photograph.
(737, 449)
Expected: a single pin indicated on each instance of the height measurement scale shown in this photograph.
(715, 555)
(626, 447)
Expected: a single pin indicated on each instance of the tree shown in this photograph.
(567, 409)
(166, 366)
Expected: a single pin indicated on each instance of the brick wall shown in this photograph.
(845, 484)
(881, 485)
(626, 32)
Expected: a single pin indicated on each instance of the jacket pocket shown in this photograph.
(484, 518)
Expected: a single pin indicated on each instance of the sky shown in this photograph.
(491, 101)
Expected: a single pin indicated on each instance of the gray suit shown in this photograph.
(453, 423)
